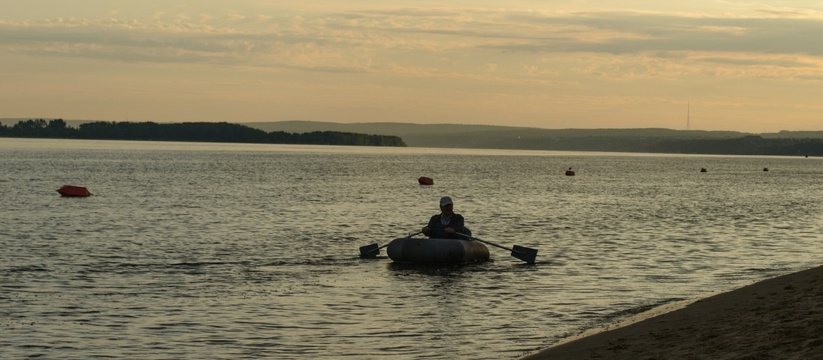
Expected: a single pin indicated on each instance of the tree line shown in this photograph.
(747, 145)
(744, 145)
(189, 131)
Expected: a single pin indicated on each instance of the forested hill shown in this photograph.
(191, 131)
(646, 140)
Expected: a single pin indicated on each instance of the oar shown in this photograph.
(523, 253)
(370, 251)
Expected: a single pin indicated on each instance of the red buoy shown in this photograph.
(425, 180)
(74, 191)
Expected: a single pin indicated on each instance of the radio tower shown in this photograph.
(688, 115)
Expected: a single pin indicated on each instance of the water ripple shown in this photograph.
(253, 254)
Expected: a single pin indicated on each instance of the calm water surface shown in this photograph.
(251, 251)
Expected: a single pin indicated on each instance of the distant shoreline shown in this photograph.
(200, 132)
(648, 140)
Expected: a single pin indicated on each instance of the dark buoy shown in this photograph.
(73, 191)
(703, 170)
(425, 180)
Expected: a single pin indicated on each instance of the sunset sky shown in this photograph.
(732, 65)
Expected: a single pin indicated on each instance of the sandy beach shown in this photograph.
(778, 318)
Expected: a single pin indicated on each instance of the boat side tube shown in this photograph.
(437, 251)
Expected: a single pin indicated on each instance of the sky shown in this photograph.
(700, 64)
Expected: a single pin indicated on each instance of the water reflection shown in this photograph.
(449, 270)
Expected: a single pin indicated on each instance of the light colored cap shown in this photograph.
(446, 201)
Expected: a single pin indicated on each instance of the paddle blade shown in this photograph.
(369, 251)
(523, 253)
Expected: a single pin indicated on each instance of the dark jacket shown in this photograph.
(438, 228)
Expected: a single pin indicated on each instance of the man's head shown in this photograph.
(446, 205)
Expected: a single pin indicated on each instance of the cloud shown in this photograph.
(624, 32)
(442, 39)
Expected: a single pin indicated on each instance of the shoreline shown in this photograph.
(780, 317)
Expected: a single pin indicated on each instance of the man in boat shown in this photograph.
(447, 224)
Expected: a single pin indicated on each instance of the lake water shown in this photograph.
(227, 251)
